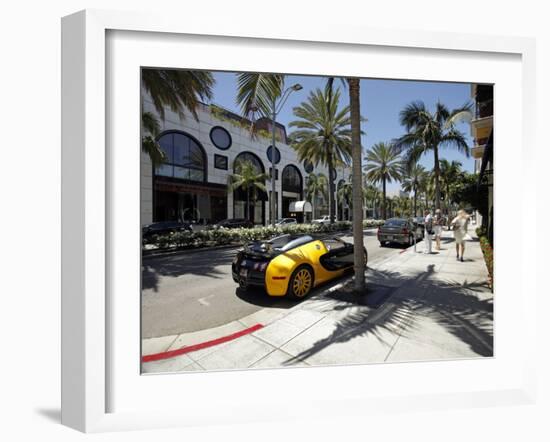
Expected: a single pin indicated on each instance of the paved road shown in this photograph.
(194, 291)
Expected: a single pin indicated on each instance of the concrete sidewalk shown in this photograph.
(417, 307)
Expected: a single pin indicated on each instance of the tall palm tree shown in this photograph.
(357, 177)
(427, 132)
(411, 181)
(450, 173)
(316, 186)
(323, 134)
(246, 177)
(176, 89)
(384, 165)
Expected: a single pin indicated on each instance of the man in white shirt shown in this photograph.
(428, 231)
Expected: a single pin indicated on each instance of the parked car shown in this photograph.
(291, 265)
(163, 227)
(323, 220)
(233, 223)
(400, 231)
(419, 221)
(286, 221)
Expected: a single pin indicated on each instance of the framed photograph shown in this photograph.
(187, 269)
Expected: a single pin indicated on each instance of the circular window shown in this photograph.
(220, 138)
(308, 166)
(277, 154)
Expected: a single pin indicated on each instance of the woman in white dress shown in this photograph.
(460, 230)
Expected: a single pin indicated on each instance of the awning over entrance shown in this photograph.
(300, 207)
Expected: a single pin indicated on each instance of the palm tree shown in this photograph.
(411, 182)
(316, 186)
(383, 166)
(428, 132)
(256, 93)
(246, 177)
(323, 134)
(373, 195)
(177, 90)
(450, 173)
(345, 193)
(357, 176)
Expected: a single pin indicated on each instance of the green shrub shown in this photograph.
(218, 237)
(481, 231)
(487, 250)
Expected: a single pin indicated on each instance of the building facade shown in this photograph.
(192, 184)
(482, 150)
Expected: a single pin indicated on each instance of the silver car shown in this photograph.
(286, 221)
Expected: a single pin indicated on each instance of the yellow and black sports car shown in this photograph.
(292, 265)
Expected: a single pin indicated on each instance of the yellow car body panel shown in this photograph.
(280, 268)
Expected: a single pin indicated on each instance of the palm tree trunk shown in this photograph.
(436, 178)
(357, 190)
(248, 203)
(331, 198)
(414, 190)
(384, 199)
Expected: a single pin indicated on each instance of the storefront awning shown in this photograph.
(300, 207)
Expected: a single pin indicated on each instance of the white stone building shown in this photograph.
(201, 154)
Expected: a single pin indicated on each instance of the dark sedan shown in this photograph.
(163, 227)
(399, 231)
(234, 223)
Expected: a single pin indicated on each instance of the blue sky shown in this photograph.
(381, 102)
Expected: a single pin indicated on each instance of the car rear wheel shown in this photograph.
(382, 244)
(301, 282)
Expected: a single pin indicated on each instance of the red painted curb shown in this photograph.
(200, 346)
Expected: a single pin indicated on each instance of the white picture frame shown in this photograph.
(88, 317)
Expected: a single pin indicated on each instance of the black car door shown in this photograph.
(338, 257)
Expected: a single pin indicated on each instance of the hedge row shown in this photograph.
(487, 250)
(218, 237)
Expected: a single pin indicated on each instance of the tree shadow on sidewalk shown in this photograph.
(457, 308)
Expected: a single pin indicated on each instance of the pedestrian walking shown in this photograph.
(438, 222)
(428, 231)
(460, 231)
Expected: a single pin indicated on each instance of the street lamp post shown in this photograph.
(274, 111)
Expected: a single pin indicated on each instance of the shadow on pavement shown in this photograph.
(200, 263)
(455, 307)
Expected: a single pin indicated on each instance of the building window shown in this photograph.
(277, 154)
(308, 166)
(185, 157)
(292, 179)
(249, 156)
(220, 162)
(220, 138)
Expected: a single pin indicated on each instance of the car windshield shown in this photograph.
(296, 242)
(395, 223)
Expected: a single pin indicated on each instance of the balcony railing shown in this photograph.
(484, 109)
